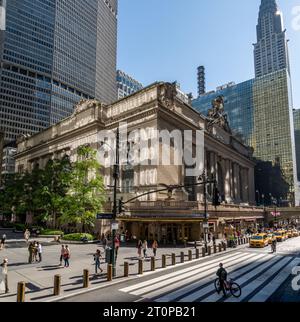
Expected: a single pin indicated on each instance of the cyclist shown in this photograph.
(222, 274)
(274, 244)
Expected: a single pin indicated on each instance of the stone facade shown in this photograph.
(155, 107)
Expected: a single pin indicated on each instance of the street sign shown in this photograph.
(115, 226)
(275, 214)
(205, 225)
(105, 216)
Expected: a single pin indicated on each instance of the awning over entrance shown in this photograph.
(161, 219)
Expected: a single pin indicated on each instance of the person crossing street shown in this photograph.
(222, 274)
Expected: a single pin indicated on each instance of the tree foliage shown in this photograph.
(85, 197)
(62, 192)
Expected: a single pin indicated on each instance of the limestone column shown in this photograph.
(216, 166)
(227, 181)
(237, 183)
(251, 186)
(231, 180)
(243, 185)
(212, 163)
(246, 182)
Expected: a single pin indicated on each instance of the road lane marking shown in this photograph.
(167, 276)
(264, 294)
(201, 272)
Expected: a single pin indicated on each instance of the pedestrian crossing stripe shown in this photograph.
(275, 283)
(189, 269)
(208, 282)
(240, 279)
(259, 275)
(185, 278)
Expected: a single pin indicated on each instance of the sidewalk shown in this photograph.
(39, 277)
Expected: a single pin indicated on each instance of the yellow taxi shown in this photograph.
(289, 234)
(280, 235)
(295, 233)
(259, 240)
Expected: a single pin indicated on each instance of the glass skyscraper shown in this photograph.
(297, 139)
(126, 84)
(260, 112)
(53, 54)
(271, 49)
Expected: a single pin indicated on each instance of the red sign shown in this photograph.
(275, 214)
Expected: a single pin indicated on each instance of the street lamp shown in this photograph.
(263, 200)
(274, 201)
(206, 180)
(257, 198)
(116, 175)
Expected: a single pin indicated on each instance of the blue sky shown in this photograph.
(167, 39)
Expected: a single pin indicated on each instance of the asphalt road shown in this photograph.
(264, 277)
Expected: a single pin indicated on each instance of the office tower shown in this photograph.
(271, 50)
(53, 54)
(1, 151)
(201, 80)
(297, 139)
(260, 112)
(126, 85)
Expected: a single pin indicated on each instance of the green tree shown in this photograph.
(56, 182)
(11, 194)
(86, 195)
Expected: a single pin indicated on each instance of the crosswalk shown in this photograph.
(258, 274)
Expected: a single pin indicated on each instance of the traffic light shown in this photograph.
(121, 207)
(216, 197)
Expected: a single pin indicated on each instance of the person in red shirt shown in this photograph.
(117, 245)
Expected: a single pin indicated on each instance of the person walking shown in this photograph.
(4, 276)
(105, 242)
(31, 251)
(67, 256)
(274, 245)
(62, 252)
(35, 251)
(139, 247)
(39, 250)
(97, 258)
(117, 245)
(154, 247)
(222, 274)
(2, 244)
(214, 240)
(27, 235)
(145, 248)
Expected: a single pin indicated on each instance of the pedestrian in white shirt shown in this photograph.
(4, 276)
(145, 248)
(40, 250)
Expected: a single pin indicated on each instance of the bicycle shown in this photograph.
(231, 286)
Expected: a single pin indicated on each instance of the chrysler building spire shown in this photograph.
(270, 51)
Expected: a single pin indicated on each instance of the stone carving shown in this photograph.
(167, 93)
(22, 138)
(86, 104)
(217, 115)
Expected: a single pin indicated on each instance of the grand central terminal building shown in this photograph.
(161, 107)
